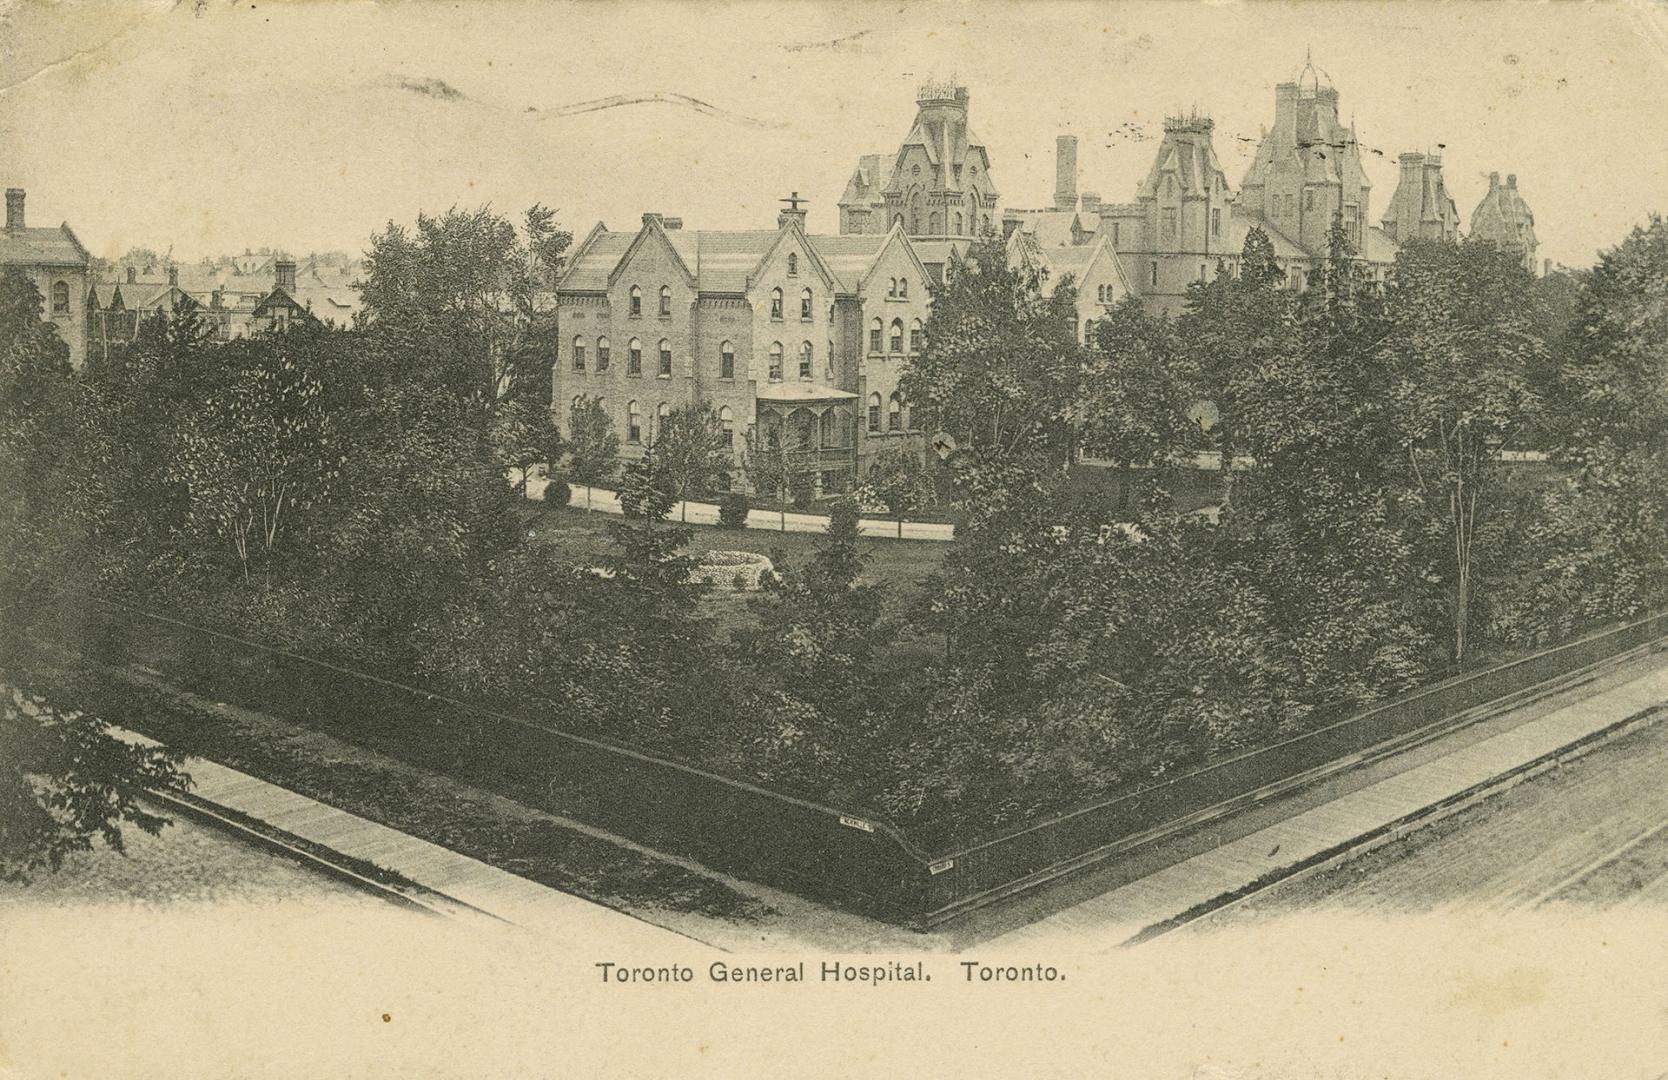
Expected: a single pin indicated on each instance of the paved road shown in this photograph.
(1593, 832)
(189, 862)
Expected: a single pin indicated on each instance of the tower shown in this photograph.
(1504, 218)
(1421, 208)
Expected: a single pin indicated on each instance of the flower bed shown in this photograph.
(732, 571)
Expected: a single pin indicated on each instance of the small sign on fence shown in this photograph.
(856, 823)
(941, 865)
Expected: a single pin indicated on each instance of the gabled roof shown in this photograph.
(782, 235)
(591, 264)
(42, 247)
(1243, 219)
(854, 258)
(1378, 247)
(1073, 259)
(652, 230)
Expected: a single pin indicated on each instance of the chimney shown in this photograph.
(670, 223)
(1065, 172)
(215, 298)
(649, 219)
(173, 275)
(14, 208)
(132, 274)
(1091, 202)
(1285, 109)
(1511, 182)
(1493, 180)
(794, 212)
(284, 270)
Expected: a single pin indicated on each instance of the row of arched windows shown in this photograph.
(807, 302)
(894, 342)
(894, 413)
(634, 419)
(634, 356)
(636, 309)
(897, 287)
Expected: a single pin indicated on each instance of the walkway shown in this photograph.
(608, 502)
(1114, 917)
(474, 889)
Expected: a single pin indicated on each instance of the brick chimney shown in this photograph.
(1065, 172)
(14, 208)
(793, 212)
(132, 274)
(173, 275)
(1493, 180)
(284, 269)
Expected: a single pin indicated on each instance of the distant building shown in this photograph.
(1421, 207)
(794, 340)
(58, 265)
(937, 184)
(1505, 219)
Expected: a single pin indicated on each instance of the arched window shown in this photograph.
(578, 400)
(661, 412)
(805, 360)
(776, 361)
(776, 304)
(726, 361)
(60, 298)
(932, 223)
(874, 412)
(634, 357)
(894, 412)
(891, 286)
(805, 306)
(897, 335)
(602, 353)
(917, 336)
(634, 424)
(793, 265)
(665, 371)
(636, 301)
(727, 423)
(875, 331)
(903, 287)
(1088, 331)
(578, 353)
(666, 299)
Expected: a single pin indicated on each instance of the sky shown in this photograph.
(211, 126)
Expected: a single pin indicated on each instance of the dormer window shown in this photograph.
(776, 304)
(636, 302)
(793, 265)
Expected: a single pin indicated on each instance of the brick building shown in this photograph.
(58, 265)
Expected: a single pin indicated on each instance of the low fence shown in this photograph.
(825, 852)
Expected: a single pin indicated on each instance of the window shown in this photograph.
(726, 361)
(917, 336)
(897, 335)
(805, 306)
(958, 224)
(776, 304)
(579, 354)
(602, 353)
(805, 429)
(793, 265)
(1215, 224)
(1088, 331)
(666, 299)
(874, 412)
(634, 357)
(805, 360)
(894, 413)
(874, 336)
(776, 361)
(903, 287)
(660, 414)
(932, 223)
(828, 363)
(634, 424)
(1169, 223)
(727, 423)
(1201, 272)
(830, 431)
(665, 371)
(891, 286)
(60, 298)
(636, 301)
(578, 400)
(1154, 268)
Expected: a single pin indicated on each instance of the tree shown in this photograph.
(900, 481)
(592, 445)
(1461, 341)
(261, 453)
(523, 437)
(1134, 397)
(1002, 367)
(64, 780)
(690, 451)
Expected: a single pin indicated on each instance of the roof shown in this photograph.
(1379, 248)
(596, 258)
(1243, 219)
(1503, 217)
(868, 181)
(42, 247)
(797, 393)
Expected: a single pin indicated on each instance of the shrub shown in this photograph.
(732, 510)
(804, 495)
(557, 492)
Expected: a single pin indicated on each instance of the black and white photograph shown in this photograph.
(833, 539)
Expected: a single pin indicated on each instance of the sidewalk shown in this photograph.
(468, 883)
(1115, 917)
(608, 502)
